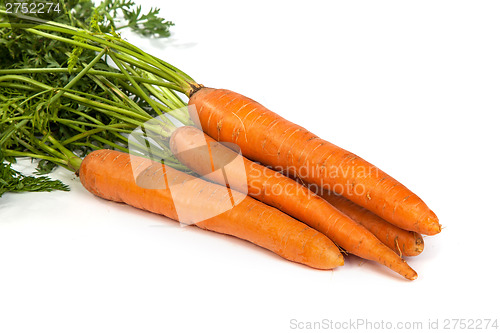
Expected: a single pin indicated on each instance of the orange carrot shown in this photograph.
(109, 175)
(218, 163)
(403, 242)
(274, 141)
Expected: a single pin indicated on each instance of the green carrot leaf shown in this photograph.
(14, 181)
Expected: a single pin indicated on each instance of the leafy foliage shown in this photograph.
(150, 24)
(14, 181)
(37, 119)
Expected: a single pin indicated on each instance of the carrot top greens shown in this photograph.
(69, 84)
(14, 181)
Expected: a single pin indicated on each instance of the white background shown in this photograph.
(412, 87)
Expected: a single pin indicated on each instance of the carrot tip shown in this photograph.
(419, 244)
(435, 229)
(336, 261)
(411, 274)
(434, 225)
(340, 260)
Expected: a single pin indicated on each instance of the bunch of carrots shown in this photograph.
(309, 212)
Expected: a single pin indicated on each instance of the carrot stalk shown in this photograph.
(218, 163)
(272, 140)
(110, 175)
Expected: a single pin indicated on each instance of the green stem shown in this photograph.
(117, 94)
(14, 119)
(97, 105)
(78, 77)
(87, 144)
(84, 133)
(15, 153)
(156, 82)
(91, 134)
(162, 116)
(134, 83)
(169, 98)
(11, 130)
(42, 145)
(73, 160)
(110, 127)
(28, 146)
(141, 60)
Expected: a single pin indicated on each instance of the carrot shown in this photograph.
(274, 141)
(403, 242)
(218, 163)
(109, 175)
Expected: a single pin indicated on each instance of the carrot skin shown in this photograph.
(208, 157)
(403, 242)
(272, 140)
(109, 175)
